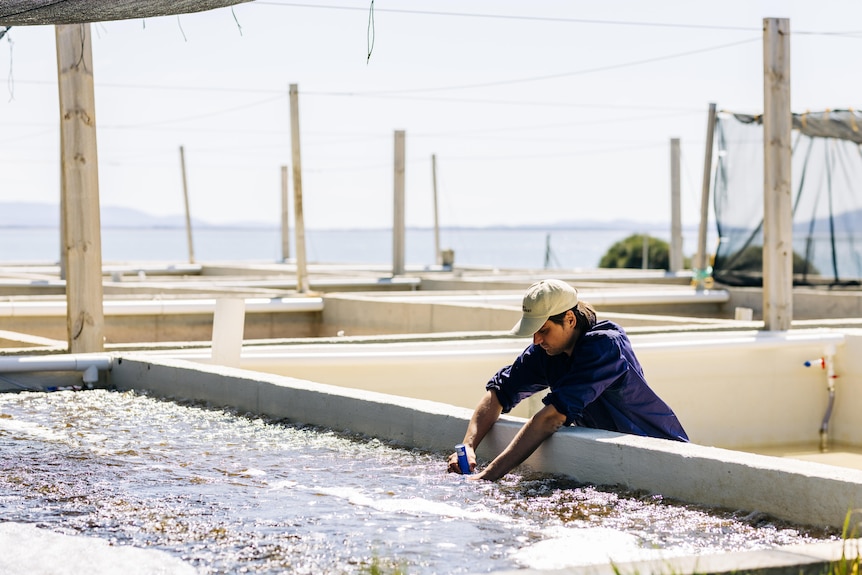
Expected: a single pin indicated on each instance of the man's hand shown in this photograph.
(484, 417)
(453, 460)
(540, 427)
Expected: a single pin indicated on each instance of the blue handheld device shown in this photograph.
(463, 464)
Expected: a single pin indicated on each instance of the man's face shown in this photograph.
(555, 338)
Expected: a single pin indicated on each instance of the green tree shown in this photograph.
(628, 253)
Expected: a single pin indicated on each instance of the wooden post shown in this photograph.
(85, 319)
(702, 260)
(188, 211)
(777, 200)
(438, 255)
(63, 258)
(285, 221)
(675, 263)
(301, 268)
(398, 228)
(645, 252)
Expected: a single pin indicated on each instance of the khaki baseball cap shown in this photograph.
(542, 300)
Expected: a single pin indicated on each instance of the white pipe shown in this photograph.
(67, 362)
(181, 269)
(597, 298)
(748, 341)
(638, 297)
(157, 307)
(829, 365)
(500, 349)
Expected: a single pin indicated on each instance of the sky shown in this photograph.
(537, 112)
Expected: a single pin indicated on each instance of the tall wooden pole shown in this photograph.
(777, 200)
(645, 251)
(702, 260)
(64, 264)
(301, 269)
(675, 209)
(398, 228)
(85, 319)
(285, 212)
(438, 255)
(188, 211)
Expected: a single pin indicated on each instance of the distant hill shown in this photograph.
(28, 215)
(39, 215)
(590, 225)
(34, 215)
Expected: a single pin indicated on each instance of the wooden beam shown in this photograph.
(302, 283)
(82, 241)
(777, 199)
(398, 228)
(285, 212)
(702, 260)
(675, 263)
(438, 255)
(189, 240)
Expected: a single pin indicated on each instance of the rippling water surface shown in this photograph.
(229, 493)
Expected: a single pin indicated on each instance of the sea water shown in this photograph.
(230, 493)
(520, 248)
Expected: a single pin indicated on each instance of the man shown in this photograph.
(595, 381)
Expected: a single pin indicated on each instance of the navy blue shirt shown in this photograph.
(601, 385)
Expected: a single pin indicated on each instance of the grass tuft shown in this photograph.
(378, 566)
(851, 561)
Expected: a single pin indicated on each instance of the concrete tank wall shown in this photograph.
(730, 389)
(801, 492)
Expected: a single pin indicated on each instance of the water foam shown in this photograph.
(29, 550)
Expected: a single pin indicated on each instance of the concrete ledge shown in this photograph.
(717, 382)
(813, 559)
(797, 491)
(409, 422)
(429, 311)
(802, 492)
(808, 303)
(158, 307)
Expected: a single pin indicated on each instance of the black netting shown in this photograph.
(827, 198)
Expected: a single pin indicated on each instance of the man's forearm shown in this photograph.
(541, 426)
(484, 417)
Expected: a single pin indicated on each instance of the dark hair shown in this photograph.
(585, 315)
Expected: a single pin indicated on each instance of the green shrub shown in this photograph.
(628, 253)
